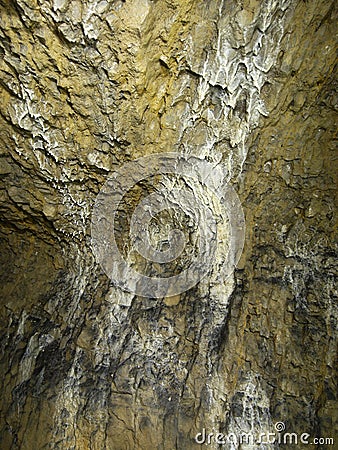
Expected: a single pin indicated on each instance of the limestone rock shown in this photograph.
(87, 86)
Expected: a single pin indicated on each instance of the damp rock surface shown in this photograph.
(89, 85)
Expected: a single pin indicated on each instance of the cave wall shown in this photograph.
(87, 86)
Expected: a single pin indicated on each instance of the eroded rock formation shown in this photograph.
(89, 85)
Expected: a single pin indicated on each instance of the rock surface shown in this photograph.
(87, 86)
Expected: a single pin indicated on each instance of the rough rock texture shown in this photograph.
(88, 85)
